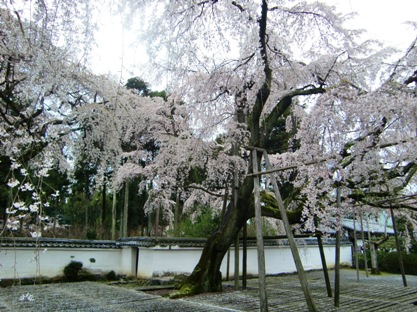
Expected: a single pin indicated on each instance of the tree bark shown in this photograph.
(206, 276)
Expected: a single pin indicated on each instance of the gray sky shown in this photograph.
(118, 53)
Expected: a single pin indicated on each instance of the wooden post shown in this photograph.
(293, 246)
(237, 284)
(113, 215)
(355, 245)
(259, 238)
(177, 214)
(337, 259)
(323, 261)
(157, 212)
(364, 245)
(324, 265)
(103, 206)
(244, 256)
(228, 265)
(225, 198)
(125, 210)
(397, 242)
(234, 198)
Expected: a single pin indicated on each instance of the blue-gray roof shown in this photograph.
(374, 227)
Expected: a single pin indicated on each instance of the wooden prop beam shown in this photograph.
(259, 237)
(293, 246)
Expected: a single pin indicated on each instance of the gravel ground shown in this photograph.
(373, 293)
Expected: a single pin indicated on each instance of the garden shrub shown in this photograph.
(72, 271)
(361, 260)
(390, 263)
(111, 276)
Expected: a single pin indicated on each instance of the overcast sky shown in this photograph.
(383, 19)
(118, 54)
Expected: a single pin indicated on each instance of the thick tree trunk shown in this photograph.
(206, 276)
(374, 253)
(374, 259)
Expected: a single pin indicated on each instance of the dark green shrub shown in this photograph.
(413, 248)
(204, 224)
(91, 234)
(410, 264)
(361, 260)
(72, 271)
(391, 264)
(111, 276)
(85, 275)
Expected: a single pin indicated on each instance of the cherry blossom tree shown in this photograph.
(51, 105)
(237, 71)
(243, 66)
(122, 134)
(41, 83)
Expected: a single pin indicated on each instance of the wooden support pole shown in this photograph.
(293, 246)
(125, 210)
(235, 186)
(244, 255)
(355, 246)
(236, 270)
(259, 238)
(364, 245)
(228, 265)
(397, 242)
(337, 272)
(113, 215)
(225, 198)
(323, 261)
(337, 258)
(324, 265)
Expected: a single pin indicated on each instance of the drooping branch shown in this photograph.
(397, 65)
(199, 187)
(270, 209)
(270, 121)
(395, 202)
(375, 135)
(412, 78)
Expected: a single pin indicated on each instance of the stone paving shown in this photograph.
(373, 293)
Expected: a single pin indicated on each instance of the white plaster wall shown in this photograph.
(157, 261)
(127, 263)
(160, 261)
(278, 259)
(30, 262)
